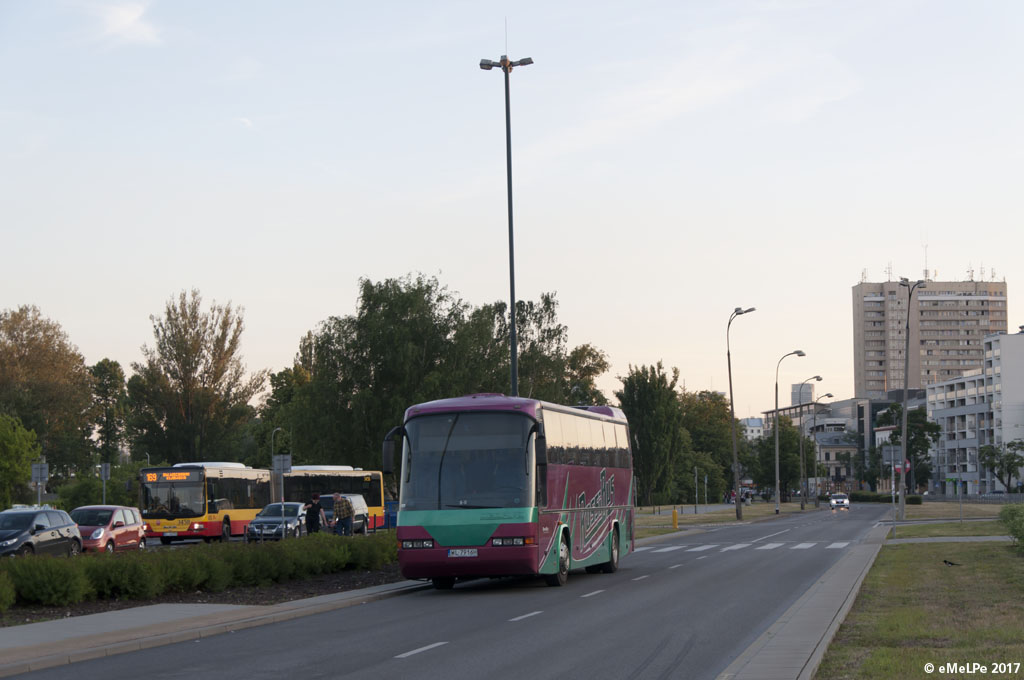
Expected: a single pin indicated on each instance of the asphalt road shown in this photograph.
(681, 608)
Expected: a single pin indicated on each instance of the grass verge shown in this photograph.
(975, 528)
(950, 510)
(650, 523)
(913, 610)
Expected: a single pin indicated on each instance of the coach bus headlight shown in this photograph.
(198, 527)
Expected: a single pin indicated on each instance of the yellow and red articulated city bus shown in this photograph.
(201, 500)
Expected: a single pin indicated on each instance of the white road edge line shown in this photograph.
(592, 594)
(421, 649)
(702, 557)
(675, 566)
(641, 578)
(526, 616)
(769, 535)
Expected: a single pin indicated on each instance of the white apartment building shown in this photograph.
(753, 428)
(983, 407)
(948, 320)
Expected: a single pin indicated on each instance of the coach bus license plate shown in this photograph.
(462, 552)
(170, 533)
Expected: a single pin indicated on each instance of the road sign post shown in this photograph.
(105, 475)
(282, 466)
(40, 473)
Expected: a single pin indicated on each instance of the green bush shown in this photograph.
(7, 592)
(214, 567)
(1012, 517)
(49, 580)
(134, 576)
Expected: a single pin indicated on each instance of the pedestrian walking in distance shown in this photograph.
(342, 515)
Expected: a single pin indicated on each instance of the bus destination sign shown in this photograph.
(173, 476)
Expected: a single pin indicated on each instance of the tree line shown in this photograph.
(409, 340)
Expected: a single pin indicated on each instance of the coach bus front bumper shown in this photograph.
(468, 549)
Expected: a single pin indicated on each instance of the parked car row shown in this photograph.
(47, 531)
(116, 528)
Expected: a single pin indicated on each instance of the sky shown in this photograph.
(671, 161)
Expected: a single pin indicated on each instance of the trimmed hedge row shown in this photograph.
(874, 497)
(212, 568)
(1012, 516)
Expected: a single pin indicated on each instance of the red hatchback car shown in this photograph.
(110, 528)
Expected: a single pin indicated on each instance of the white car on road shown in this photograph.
(839, 500)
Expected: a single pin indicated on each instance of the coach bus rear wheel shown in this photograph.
(443, 583)
(612, 565)
(560, 578)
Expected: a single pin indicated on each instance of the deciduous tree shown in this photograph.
(18, 448)
(651, 404)
(190, 398)
(1005, 461)
(44, 383)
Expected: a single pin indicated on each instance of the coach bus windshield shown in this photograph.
(467, 460)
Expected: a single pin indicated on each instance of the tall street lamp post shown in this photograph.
(732, 413)
(814, 433)
(799, 353)
(506, 67)
(803, 474)
(906, 386)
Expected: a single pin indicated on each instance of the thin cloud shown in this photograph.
(246, 123)
(127, 23)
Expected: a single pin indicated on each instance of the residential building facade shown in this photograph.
(984, 407)
(948, 321)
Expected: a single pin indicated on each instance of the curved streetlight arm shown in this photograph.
(732, 415)
(799, 353)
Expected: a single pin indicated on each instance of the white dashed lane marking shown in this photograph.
(641, 549)
(526, 616)
(835, 546)
(421, 649)
(803, 546)
(769, 546)
(738, 546)
(670, 548)
(592, 594)
(701, 548)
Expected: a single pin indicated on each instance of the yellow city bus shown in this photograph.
(304, 480)
(201, 500)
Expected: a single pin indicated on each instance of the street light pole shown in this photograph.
(732, 413)
(799, 353)
(506, 67)
(906, 387)
(817, 454)
(803, 476)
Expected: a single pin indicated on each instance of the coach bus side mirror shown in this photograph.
(540, 448)
(387, 463)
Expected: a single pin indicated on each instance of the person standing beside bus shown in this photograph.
(315, 517)
(342, 515)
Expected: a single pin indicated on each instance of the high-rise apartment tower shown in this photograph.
(948, 320)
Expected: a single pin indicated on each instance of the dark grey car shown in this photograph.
(41, 531)
(266, 526)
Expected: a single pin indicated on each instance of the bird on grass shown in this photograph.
(950, 564)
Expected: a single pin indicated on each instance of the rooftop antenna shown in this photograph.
(864, 275)
(970, 272)
(888, 271)
(926, 259)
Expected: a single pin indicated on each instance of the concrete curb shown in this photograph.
(794, 645)
(38, 657)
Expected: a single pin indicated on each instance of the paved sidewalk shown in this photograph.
(36, 646)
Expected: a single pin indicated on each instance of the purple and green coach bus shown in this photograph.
(501, 486)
